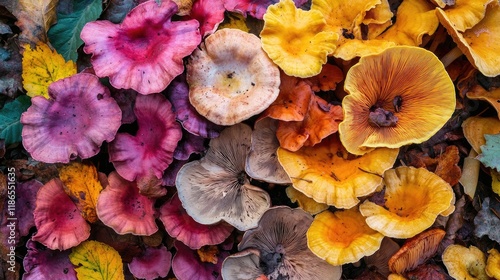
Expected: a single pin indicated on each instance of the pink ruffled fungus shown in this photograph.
(255, 8)
(154, 263)
(151, 150)
(121, 207)
(59, 223)
(209, 13)
(40, 263)
(185, 229)
(145, 51)
(77, 118)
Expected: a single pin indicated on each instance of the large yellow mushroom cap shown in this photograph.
(398, 97)
(465, 263)
(294, 39)
(414, 197)
(342, 237)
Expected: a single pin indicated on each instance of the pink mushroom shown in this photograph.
(154, 263)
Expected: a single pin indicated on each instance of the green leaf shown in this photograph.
(96, 260)
(10, 114)
(491, 151)
(65, 34)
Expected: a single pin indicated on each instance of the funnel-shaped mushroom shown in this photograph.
(294, 39)
(493, 96)
(151, 150)
(493, 264)
(77, 118)
(414, 197)
(475, 127)
(154, 263)
(181, 226)
(121, 207)
(398, 97)
(342, 237)
(209, 13)
(465, 263)
(231, 78)
(306, 203)
(255, 8)
(58, 221)
(465, 14)
(478, 43)
(281, 240)
(145, 51)
(41, 263)
(244, 265)
(329, 174)
(217, 188)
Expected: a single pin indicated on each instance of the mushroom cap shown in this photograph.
(209, 13)
(280, 238)
(151, 150)
(121, 207)
(231, 78)
(244, 265)
(414, 197)
(154, 263)
(328, 174)
(477, 43)
(262, 160)
(493, 264)
(465, 263)
(476, 127)
(342, 237)
(77, 118)
(379, 260)
(145, 51)
(181, 226)
(217, 188)
(492, 96)
(40, 263)
(294, 39)
(416, 250)
(58, 221)
(306, 203)
(26, 192)
(386, 108)
(187, 265)
(255, 8)
(465, 14)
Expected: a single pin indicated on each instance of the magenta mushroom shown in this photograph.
(189, 144)
(181, 226)
(59, 223)
(186, 114)
(145, 51)
(154, 263)
(42, 263)
(255, 8)
(79, 115)
(209, 13)
(151, 150)
(170, 174)
(121, 207)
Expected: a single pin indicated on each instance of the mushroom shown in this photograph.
(262, 161)
(231, 78)
(145, 51)
(281, 241)
(465, 263)
(153, 263)
(342, 237)
(25, 205)
(255, 8)
(217, 188)
(41, 263)
(294, 39)
(188, 145)
(186, 114)
(379, 260)
(329, 174)
(465, 14)
(493, 264)
(121, 207)
(209, 13)
(306, 203)
(475, 127)
(151, 150)
(327, 79)
(414, 197)
(492, 96)
(181, 226)
(58, 221)
(244, 265)
(477, 42)
(416, 251)
(79, 115)
(386, 108)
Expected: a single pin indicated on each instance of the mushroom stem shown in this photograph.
(470, 173)
(448, 58)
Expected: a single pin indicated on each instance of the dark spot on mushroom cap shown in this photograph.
(100, 96)
(382, 118)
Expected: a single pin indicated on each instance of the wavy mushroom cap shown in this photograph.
(145, 51)
(414, 197)
(74, 122)
(465, 14)
(398, 97)
(465, 263)
(231, 78)
(255, 8)
(153, 263)
(493, 264)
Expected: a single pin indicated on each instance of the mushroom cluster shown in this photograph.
(264, 139)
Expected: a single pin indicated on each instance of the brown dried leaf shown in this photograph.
(445, 165)
(35, 18)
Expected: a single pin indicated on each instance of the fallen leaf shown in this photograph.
(118, 9)
(444, 165)
(10, 68)
(65, 34)
(81, 183)
(235, 21)
(34, 18)
(96, 260)
(327, 79)
(490, 150)
(487, 221)
(41, 67)
(10, 114)
(209, 253)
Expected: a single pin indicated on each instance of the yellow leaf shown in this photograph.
(209, 254)
(96, 260)
(35, 17)
(236, 21)
(41, 67)
(495, 181)
(81, 183)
